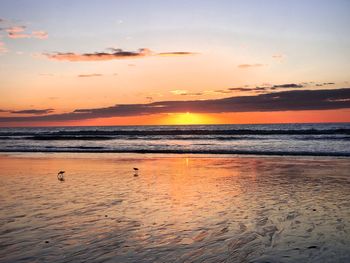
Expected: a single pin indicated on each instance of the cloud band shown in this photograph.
(294, 100)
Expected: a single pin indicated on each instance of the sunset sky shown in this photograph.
(173, 62)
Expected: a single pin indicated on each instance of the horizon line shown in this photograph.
(139, 125)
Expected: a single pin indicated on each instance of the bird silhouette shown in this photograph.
(136, 171)
(60, 175)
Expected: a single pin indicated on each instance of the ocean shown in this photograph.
(263, 139)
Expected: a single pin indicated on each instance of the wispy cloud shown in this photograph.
(244, 66)
(3, 48)
(193, 94)
(324, 84)
(270, 87)
(15, 29)
(267, 88)
(90, 75)
(40, 34)
(293, 100)
(179, 91)
(33, 111)
(185, 92)
(241, 89)
(224, 91)
(97, 56)
(15, 32)
(176, 54)
(288, 86)
(279, 57)
(112, 54)
(257, 89)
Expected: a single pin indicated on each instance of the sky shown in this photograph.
(137, 62)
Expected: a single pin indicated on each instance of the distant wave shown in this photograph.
(67, 137)
(265, 139)
(166, 151)
(173, 137)
(111, 134)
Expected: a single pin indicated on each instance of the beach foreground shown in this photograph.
(180, 208)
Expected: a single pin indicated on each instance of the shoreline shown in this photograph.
(171, 156)
(181, 152)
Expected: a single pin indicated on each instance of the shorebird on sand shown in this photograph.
(60, 175)
(136, 171)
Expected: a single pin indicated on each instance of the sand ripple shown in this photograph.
(182, 209)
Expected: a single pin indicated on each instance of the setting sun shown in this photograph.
(186, 118)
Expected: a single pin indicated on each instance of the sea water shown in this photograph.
(271, 139)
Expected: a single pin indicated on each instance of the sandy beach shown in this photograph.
(181, 208)
(179, 131)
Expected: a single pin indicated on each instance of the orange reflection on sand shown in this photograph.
(178, 207)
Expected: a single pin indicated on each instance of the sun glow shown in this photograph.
(187, 118)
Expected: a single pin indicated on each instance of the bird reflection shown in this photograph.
(136, 171)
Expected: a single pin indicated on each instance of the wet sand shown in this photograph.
(180, 208)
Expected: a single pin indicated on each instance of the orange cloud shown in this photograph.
(291, 100)
(185, 92)
(113, 54)
(172, 54)
(320, 116)
(40, 34)
(15, 32)
(15, 29)
(33, 111)
(179, 92)
(15, 35)
(97, 56)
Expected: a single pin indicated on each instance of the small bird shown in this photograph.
(60, 175)
(136, 170)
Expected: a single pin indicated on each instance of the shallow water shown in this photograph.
(179, 209)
